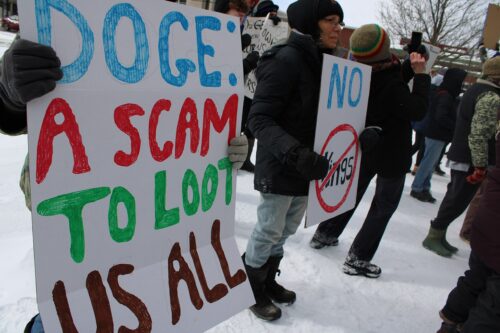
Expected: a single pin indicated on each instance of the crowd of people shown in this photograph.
(282, 117)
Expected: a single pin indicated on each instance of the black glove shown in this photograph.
(369, 138)
(29, 70)
(309, 164)
(250, 62)
(275, 19)
(246, 40)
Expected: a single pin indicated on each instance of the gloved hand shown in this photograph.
(369, 138)
(477, 176)
(308, 163)
(246, 40)
(275, 19)
(29, 70)
(238, 150)
(250, 62)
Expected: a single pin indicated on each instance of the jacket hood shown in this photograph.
(452, 81)
(303, 15)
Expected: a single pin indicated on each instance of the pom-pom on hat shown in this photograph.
(370, 43)
(491, 68)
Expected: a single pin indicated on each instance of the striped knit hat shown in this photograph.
(370, 43)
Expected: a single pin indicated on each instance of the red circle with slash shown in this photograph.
(319, 187)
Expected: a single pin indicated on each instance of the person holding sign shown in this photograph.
(385, 143)
(283, 119)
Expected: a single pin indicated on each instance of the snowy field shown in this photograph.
(406, 298)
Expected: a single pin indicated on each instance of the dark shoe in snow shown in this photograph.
(424, 196)
(434, 242)
(317, 244)
(267, 312)
(355, 266)
(273, 289)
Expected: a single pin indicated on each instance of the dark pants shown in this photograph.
(387, 195)
(485, 316)
(418, 146)
(464, 296)
(458, 196)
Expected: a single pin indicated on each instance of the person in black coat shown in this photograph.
(283, 119)
(438, 131)
(391, 108)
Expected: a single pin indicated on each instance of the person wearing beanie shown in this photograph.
(283, 119)
(438, 132)
(387, 152)
(470, 154)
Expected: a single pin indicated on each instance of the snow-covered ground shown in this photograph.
(406, 298)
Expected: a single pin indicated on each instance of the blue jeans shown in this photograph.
(37, 325)
(422, 181)
(278, 217)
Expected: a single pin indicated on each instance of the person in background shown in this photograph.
(391, 108)
(473, 305)
(283, 119)
(470, 153)
(441, 116)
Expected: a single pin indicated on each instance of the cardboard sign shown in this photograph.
(133, 195)
(345, 86)
(491, 32)
(264, 35)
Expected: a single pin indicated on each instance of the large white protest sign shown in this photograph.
(345, 86)
(133, 195)
(264, 34)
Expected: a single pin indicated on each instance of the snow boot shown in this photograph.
(355, 266)
(447, 245)
(264, 307)
(320, 240)
(274, 290)
(434, 242)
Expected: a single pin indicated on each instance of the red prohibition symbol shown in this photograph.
(330, 208)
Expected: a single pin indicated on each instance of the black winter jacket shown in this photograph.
(442, 117)
(392, 106)
(284, 111)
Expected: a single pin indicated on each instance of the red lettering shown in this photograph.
(188, 119)
(211, 117)
(49, 130)
(122, 116)
(159, 154)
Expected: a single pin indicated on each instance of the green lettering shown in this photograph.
(163, 218)
(189, 181)
(208, 198)
(71, 205)
(121, 195)
(225, 164)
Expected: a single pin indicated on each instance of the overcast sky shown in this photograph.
(356, 13)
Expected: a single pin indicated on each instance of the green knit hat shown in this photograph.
(370, 43)
(491, 67)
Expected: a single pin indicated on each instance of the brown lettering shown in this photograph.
(62, 308)
(100, 303)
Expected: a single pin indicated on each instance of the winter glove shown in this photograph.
(275, 19)
(477, 176)
(29, 70)
(369, 138)
(238, 150)
(250, 62)
(309, 164)
(246, 40)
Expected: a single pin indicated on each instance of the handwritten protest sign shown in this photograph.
(264, 34)
(133, 195)
(345, 86)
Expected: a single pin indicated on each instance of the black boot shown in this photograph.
(264, 307)
(274, 290)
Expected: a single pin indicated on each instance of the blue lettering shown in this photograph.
(136, 72)
(335, 80)
(355, 102)
(79, 67)
(206, 22)
(183, 65)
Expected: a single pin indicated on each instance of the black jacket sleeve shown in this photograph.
(277, 79)
(416, 102)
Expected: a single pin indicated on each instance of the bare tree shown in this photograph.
(457, 23)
